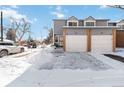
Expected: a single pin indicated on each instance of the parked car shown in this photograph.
(57, 45)
(32, 44)
(9, 48)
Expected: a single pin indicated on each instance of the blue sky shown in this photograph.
(41, 16)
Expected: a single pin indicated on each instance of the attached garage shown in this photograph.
(75, 40)
(97, 40)
(102, 40)
(101, 44)
(76, 43)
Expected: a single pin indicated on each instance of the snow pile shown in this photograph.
(14, 66)
(119, 52)
(10, 69)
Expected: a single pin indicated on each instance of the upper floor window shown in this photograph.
(72, 23)
(121, 24)
(89, 21)
(90, 24)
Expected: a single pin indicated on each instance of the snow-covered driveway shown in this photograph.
(73, 61)
(51, 67)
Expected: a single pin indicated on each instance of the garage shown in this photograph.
(120, 39)
(102, 40)
(101, 44)
(76, 43)
(75, 39)
(95, 39)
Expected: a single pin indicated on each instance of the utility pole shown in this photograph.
(1, 26)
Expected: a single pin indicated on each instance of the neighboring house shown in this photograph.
(120, 34)
(85, 35)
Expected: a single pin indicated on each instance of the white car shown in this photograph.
(9, 48)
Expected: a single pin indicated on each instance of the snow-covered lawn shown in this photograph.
(13, 66)
(50, 67)
(119, 52)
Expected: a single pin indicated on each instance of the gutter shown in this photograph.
(85, 27)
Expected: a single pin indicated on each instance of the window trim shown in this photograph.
(72, 21)
(90, 21)
(120, 24)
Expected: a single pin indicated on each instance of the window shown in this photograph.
(90, 24)
(72, 23)
(114, 24)
(121, 26)
(6, 44)
(56, 39)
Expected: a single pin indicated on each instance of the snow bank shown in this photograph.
(14, 66)
(10, 69)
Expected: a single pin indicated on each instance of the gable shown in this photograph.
(122, 21)
(72, 18)
(89, 18)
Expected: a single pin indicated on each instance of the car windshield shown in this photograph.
(4, 43)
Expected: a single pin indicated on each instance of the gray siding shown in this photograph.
(94, 31)
(101, 23)
(102, 31)
(81, 23)
(112, 24)
(58, 24)
(76, 31)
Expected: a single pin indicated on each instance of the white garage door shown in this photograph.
(101, 44)
(76, 43)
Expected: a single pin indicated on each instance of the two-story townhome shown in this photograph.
(85, 35)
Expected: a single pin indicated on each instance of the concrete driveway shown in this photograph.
(65, 60)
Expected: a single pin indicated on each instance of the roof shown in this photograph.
(73, 17)
(89, 18)
(121, 21)
(103, 19)
(112, 22)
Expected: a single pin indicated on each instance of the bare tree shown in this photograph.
(21, 27)
(49, 38)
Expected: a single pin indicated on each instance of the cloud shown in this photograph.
(59, 15)
(9, 13)
(35, 19)
(58, 8)
(9, 6)
(103, 6)
(59, 12)
(14, 6)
